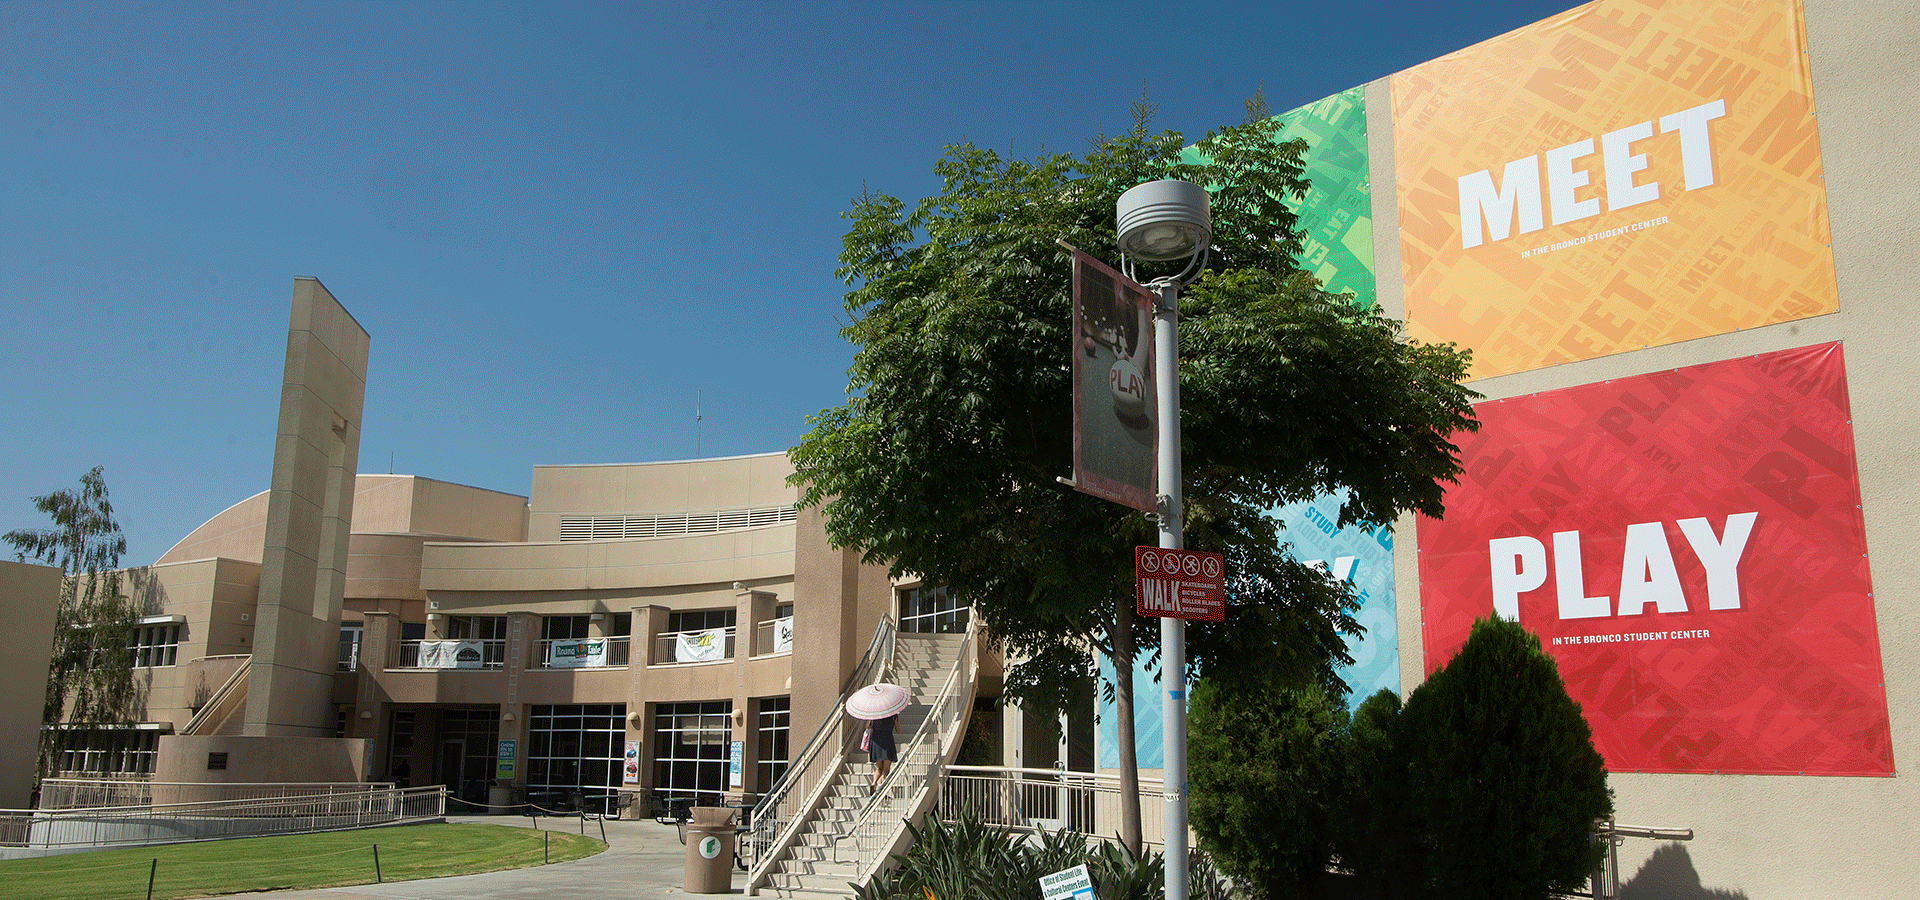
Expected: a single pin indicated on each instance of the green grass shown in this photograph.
(291, 862)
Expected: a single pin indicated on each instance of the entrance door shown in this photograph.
(453, 755)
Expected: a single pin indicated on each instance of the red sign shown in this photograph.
(1688, 545)
(1180, 584)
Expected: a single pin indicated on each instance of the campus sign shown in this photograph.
(1619, 176)
(1689, 547)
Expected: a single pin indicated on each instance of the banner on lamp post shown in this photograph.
(1113, 392)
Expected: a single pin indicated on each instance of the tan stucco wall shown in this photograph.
(738, 482)
(383, 504)
(753, 555)
(1765, 837)
(216, 597)
(29, 602)
(258, 759)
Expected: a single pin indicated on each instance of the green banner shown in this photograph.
(1336, 216)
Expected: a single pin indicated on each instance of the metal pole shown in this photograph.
(1173, 630)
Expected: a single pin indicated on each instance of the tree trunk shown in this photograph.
(1123, 653)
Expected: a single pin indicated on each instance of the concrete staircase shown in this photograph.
(853, 828)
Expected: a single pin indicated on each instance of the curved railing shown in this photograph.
(781, 812)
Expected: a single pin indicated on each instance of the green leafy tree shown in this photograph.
(1268, 766)
(91, 677)
(943, 461)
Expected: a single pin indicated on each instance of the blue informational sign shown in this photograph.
(736, 764)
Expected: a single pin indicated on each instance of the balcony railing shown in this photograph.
(706, 645)
(583, 653)
(453, 653)
(773, 636)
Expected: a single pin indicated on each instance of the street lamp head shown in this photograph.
(1160, 221)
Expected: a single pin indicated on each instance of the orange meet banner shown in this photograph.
(1623, 175)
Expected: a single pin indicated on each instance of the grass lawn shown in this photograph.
(288, 862)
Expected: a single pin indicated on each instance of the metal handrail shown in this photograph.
(909, 789)
(1024, 799)
(775, 822)
(1604, 883)
(162, 823)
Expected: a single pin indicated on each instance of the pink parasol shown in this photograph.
(877, 701)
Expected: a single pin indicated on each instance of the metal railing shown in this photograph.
(1605, 882)
(169, 823)
(782, 811)
(764, 636)
(94, 793)
(1048, 799)
(613, 653)
(911, 787)
(666, 647)
(493, 653)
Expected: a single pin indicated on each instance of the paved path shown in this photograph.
(643, 859)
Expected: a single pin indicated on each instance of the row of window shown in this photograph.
(582, 748)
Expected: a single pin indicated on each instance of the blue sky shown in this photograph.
(565, 225)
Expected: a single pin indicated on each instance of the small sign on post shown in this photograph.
(1180, 584)
(1069, 884)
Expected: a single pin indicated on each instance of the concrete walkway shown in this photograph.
(643, 859)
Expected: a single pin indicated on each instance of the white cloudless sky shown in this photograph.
(576, 232)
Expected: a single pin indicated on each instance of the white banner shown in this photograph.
(577, 653)
(451, 655)
(782, 635)
(700, 646)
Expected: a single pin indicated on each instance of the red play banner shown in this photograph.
(1689, 547)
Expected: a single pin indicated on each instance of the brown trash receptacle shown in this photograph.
(710, 850)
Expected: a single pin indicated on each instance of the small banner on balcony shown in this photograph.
(700, 646)
(782, 635)
(577, 653)
(452, 655)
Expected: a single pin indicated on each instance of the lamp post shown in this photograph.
(1166, 221)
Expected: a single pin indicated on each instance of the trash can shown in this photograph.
(500, 798)
(710, 851)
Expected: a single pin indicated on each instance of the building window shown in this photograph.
(926, 610)
(489, 631)
(154, 645)
(350, 635)
(700, 635)
(772, 726)
(108, 752)
(575, 748)
(562, 627)
(690, 742)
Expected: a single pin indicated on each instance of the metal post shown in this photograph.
(1173, 630)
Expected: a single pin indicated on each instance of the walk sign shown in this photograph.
(1180, 584)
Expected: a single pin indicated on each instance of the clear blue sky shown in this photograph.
(561, 223)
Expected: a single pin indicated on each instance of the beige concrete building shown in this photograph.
(30, 599)
(628, 627)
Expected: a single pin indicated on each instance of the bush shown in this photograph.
(1266, 766)
(1374, 838)
(1502, 781)
(967, 860)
